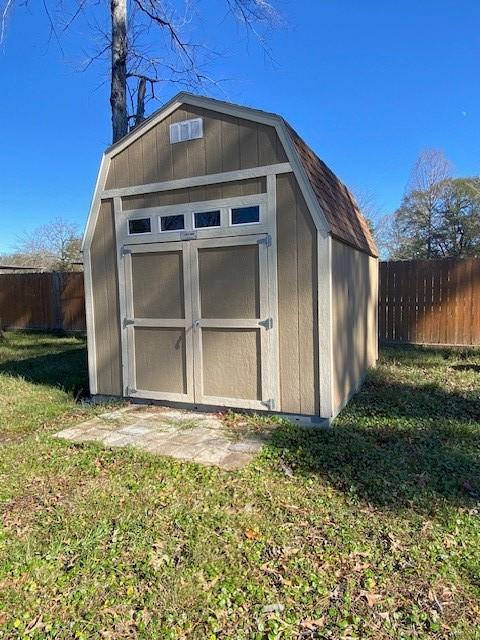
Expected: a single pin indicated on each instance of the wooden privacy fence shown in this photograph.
(420, 301)
(48, 301)
(430, 301)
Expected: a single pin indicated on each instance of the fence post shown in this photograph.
(57, 300)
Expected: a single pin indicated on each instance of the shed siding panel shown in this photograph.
(228, 144)
(105, 303)
(231, 363)
(307, 308)
(354, 331)
(297, 300)
(252, 186)
(149, 150)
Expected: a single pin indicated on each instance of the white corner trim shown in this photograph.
(117, 215)
(354, 390)
(325, 322)
(89, 313)
(95, 203)
(273, 287)
(376, 329)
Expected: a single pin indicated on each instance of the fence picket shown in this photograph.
(430, 301)
(45, 301)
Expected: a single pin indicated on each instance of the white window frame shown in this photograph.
(170, 215)
(209, 210)
(244, 224)
(139, 233)
(176, 128)
(225, 229)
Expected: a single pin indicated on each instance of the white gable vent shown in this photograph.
(186, 130)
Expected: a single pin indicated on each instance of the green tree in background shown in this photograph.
(459, 230)
(439, 216)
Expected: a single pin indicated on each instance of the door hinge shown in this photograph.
(270, 404)
(125, 251)
(127, 322)
(267, 323)
(267, 240)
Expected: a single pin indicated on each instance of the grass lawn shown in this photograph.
(369, 530)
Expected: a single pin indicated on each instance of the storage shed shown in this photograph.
(227, 266)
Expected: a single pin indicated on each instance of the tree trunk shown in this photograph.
(118, 92)
(140, 114)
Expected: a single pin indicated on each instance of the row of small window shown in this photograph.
(201, 220)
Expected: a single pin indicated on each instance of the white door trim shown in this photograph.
(261, 323)
(266, 231)
(129, 322)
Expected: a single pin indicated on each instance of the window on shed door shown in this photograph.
(172, 223)
(139, 225)
(245, 215)
(206, 219)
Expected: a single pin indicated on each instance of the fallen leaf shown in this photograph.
(313, 625)
(252, 535)
(34, 624)
(449, 541)
(277, 607)
(371, 598)
(362, 554)
(288, 471)
(3, 618)
(394, 543)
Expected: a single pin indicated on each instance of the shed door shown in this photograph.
(198, 322)
(159, 322)
(231, 338)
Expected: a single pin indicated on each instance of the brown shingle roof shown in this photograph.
(343, 215)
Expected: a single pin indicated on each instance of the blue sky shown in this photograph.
(368, 85)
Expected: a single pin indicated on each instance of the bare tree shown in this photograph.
(149, 44)
(53, 246)
(416, 223)
(427, 181)
(430, 170)
(378, 221)
(367, 203)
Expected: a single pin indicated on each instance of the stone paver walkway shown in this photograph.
(194, 436)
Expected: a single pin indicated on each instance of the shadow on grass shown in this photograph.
(395, 446)
(67, 369)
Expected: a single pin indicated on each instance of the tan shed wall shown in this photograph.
(105, 303)
(253, 186)
(297, 300)
(354, 331)
(228, 144)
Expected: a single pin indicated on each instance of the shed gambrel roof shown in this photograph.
(347, 223)
(334, 204)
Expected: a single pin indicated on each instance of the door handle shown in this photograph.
(196, 323)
